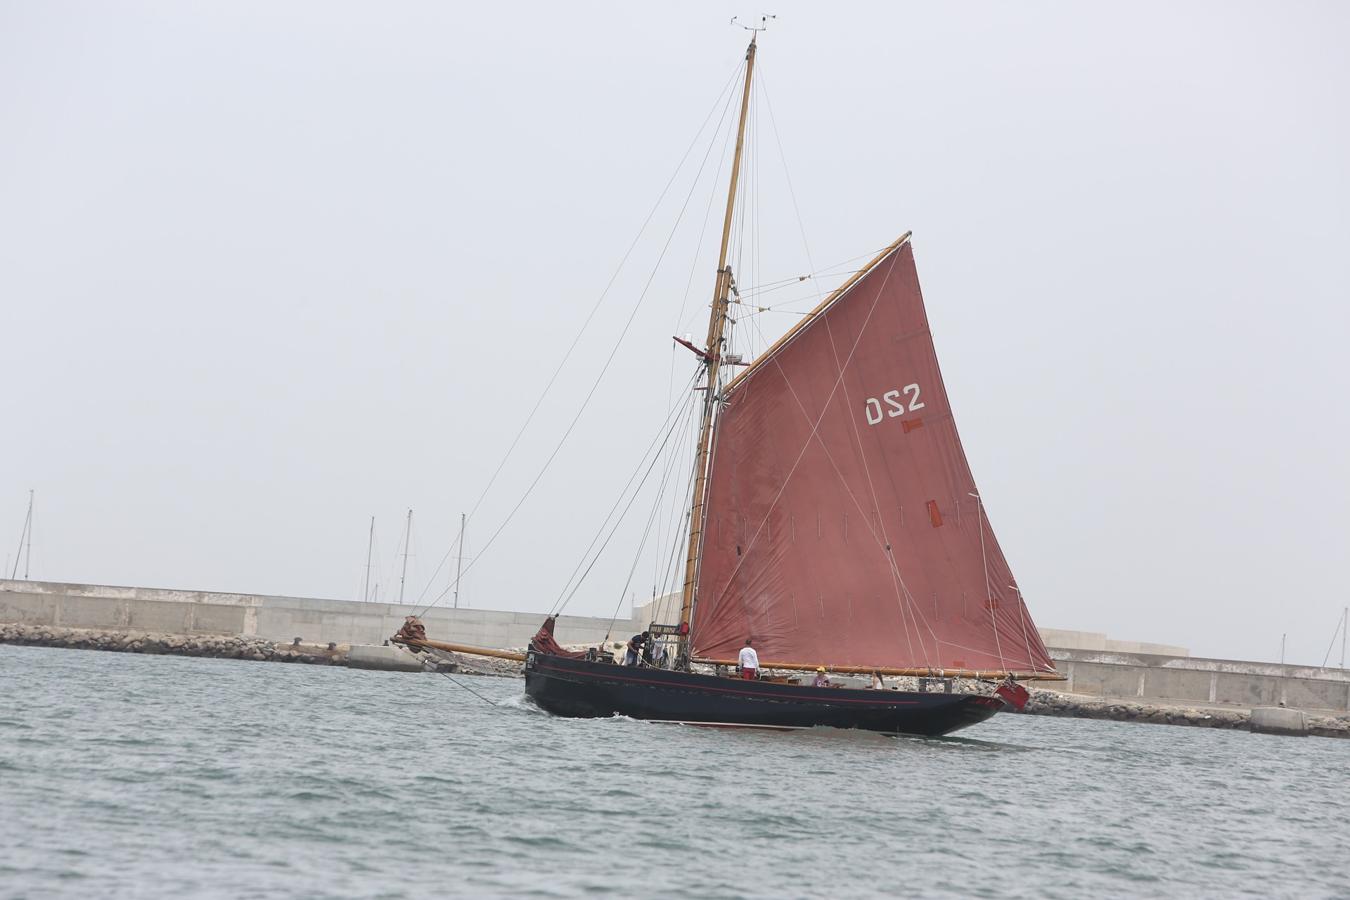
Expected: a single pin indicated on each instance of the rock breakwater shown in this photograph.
(208, 645)
(234, 647)
(1051, 703)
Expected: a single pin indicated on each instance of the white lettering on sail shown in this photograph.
(895, 403)
(873, 405)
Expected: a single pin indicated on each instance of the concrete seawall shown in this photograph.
(1095, 666)
(1271, 720)
(277, 618)
(1199, 680)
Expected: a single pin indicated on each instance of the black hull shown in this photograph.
(580, 689)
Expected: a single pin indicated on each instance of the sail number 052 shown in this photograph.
(894, 404)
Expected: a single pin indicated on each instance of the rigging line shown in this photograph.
(672, 416)
(677, 452)
(830, 270)
(765, 286)
(670, 596)
(815, 428)
(665, 597)
(654, 459)
(469, 689)
(867, 472)
(867, 469)
(658, 508)
(712, 196)
(787, 175)
(737, 251)
(799, 313)
(824, 272)
(1022, 616)
(895, 566)
(681, 529)
(681, 323)
(646, 532)
(641, 546)
(806, 246)
(800, 298)
(881, 540)
(761, 290)
(609, 361)
(612, 532)
(769, 287)
(589, 317)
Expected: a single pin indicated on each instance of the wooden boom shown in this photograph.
(462, 648)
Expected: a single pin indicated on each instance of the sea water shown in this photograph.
(150, 776)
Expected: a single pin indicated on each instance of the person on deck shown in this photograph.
(877, 683)
(635, 646)
(822, 680)
(655, 654)
(749, 662)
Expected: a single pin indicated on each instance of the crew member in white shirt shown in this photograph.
(749, 662)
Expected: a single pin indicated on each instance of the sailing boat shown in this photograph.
(834, 524)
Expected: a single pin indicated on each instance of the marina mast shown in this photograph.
(370, 548)
(25, 535)
(407, 542)
(459, 558)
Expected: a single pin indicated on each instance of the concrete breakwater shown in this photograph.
(1095, 666)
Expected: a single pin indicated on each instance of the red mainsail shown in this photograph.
(842, 525)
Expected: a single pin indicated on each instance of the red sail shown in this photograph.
(842, 527)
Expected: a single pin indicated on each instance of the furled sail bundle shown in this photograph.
(842, 525)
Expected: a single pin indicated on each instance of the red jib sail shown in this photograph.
(843, 525)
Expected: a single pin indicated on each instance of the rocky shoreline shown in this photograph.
(1042, 702)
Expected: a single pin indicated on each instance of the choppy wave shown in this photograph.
(140, 776)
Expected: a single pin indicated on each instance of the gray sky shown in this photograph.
(269, 269)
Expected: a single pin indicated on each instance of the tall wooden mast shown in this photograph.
(716, 322)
